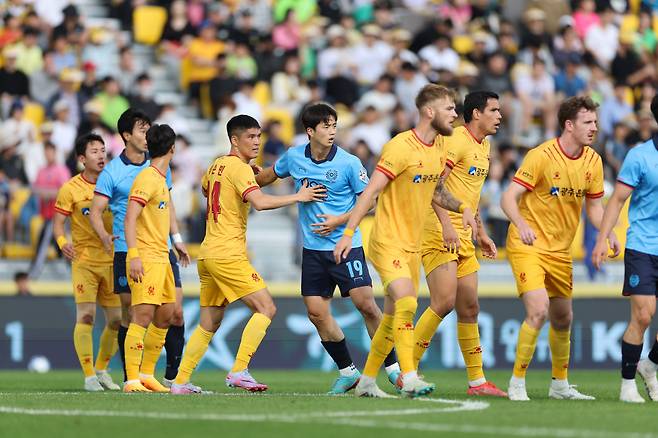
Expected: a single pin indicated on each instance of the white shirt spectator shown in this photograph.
(63, 138)
(375, 135)
(245, 104)
(383, 102)
(535, 88)
(334, 61)
(446, 59)
(371, 61)
(603, 42)
(407, 89)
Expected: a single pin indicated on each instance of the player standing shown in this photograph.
(638, 177)
(112, 189)
(322, 162)
(150, 276)
(407, 180)
(224, 269)
(544, 205)
(91, 267)
(449, 256)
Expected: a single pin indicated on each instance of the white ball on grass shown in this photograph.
(39, 364)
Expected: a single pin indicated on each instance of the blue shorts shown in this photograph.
(640, 273)
(321, 274)
(121, 278)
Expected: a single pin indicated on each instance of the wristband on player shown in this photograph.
(133, 253)
(61, 241)
(462, 207)
(177, 238)
(348, 232)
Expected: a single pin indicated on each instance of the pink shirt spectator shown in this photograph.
(286, 36)
(49, 180)
(583, 21)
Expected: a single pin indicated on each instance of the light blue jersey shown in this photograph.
(114, 182)
(640, 171)
(343, 176)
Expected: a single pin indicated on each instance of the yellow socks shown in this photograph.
(83, 347)
(525, 348)
(253, 334)
(403, 332)
(425, 328)
(380, 347)
(194, 350)
(560, 343)
(153, 343)
(108, 347)
(468, 336)
(134, 346)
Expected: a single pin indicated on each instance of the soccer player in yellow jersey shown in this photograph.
(544, 204)
(224, 269)
(449, 255)
(91, 265)
(407, 180)
(150, 276)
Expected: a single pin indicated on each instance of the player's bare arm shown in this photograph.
(176, 238)
(132, 213)
(261, 201)
(450, 235)
(98, 205)
(610, 217)
(594, 209)
(266, 177)
(363, 205)
(486, 243)
(444, 199)
(509, 202)
(58, 232)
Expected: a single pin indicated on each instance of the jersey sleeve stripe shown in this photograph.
(276, 173)
(594, 195)
(625, 183)
(138, 200)
(386, 172)
(523, 183)
(449, 163)
(96, 192)
(247, 191)
(62, 211)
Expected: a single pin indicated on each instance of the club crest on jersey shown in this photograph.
(417, 179)
(588, 176)
(331, 175)
(363, 176)
(85, 211)
(162, 205)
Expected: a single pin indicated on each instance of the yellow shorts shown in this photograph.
(225, 281)
(157, 286)
(94, 284)
(435, 255)
(394, 263)
(538, 270)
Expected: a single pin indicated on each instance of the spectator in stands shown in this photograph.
(274, 146)
(63, 137)
(371, 55)
(11, 163)
(22, 282)
(202, 53)
(616, 147)
(585, 17)
(614, 109)
(68, 92)
(63, 56)
(602, 38)
(244, 31)
(92, 123)
(646, 42)
(169, 116)
(223, 85)
(288, 90)
(566, 44)
(401, 40)
(536, 48)
(49, 179)
(533, 30)
(459, 13)
(245, 102)
(182, 196)
(401, 121)
(70, 25)
(568, 81)
(647, 92)
(44, 83)
(363, 152)
(440, 55)
(646, 129)
(7, 221)
(628, 66)
(381, 98)
(407, 86)
(536, 90)
(429, 34)
(13, 82)
(89, 86)
(177, 29)
(287, 34)
(371, 129)
(494, 216)
(128, 71)
(30, 55)
(241, 64)
(113, 104)
(335, 59)
(142, 97)
(32, 155)
(11, 31)
(18, 126)
(187, 160)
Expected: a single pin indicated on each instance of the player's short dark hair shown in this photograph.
(84, 140)
(477, 100)
(654, 107)
(316, 113)
(160, 139)
(570, 108)
(129, 119)
(240, 123)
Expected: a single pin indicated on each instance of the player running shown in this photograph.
(638, 176)
(112, 189)
(150, 277)
(544, 205)
(91, 267)
(224, 269)
(407, 179)
(322, 162)
(448, 255)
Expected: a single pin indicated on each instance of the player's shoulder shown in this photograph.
(346, 158)
(591, 155)
(642, 149)
(400, 142)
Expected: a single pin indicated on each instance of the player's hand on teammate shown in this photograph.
(309, 193)
(108, 242)
(328, 225)
(68, 251)
(342, 249)
(136, 270)
(450, 238)
(487, 246)
(468, 220)
(183, 254)
(528, 236)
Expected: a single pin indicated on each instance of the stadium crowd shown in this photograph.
(62, 76)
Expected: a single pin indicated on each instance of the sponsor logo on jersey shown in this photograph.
(567, 192)
(162, 205)
(85, 211)
(433, 178)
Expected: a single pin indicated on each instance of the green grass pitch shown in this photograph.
(52, 405)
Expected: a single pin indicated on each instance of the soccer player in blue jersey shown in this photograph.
(322, 162)
(638, 178)
(112, 189)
